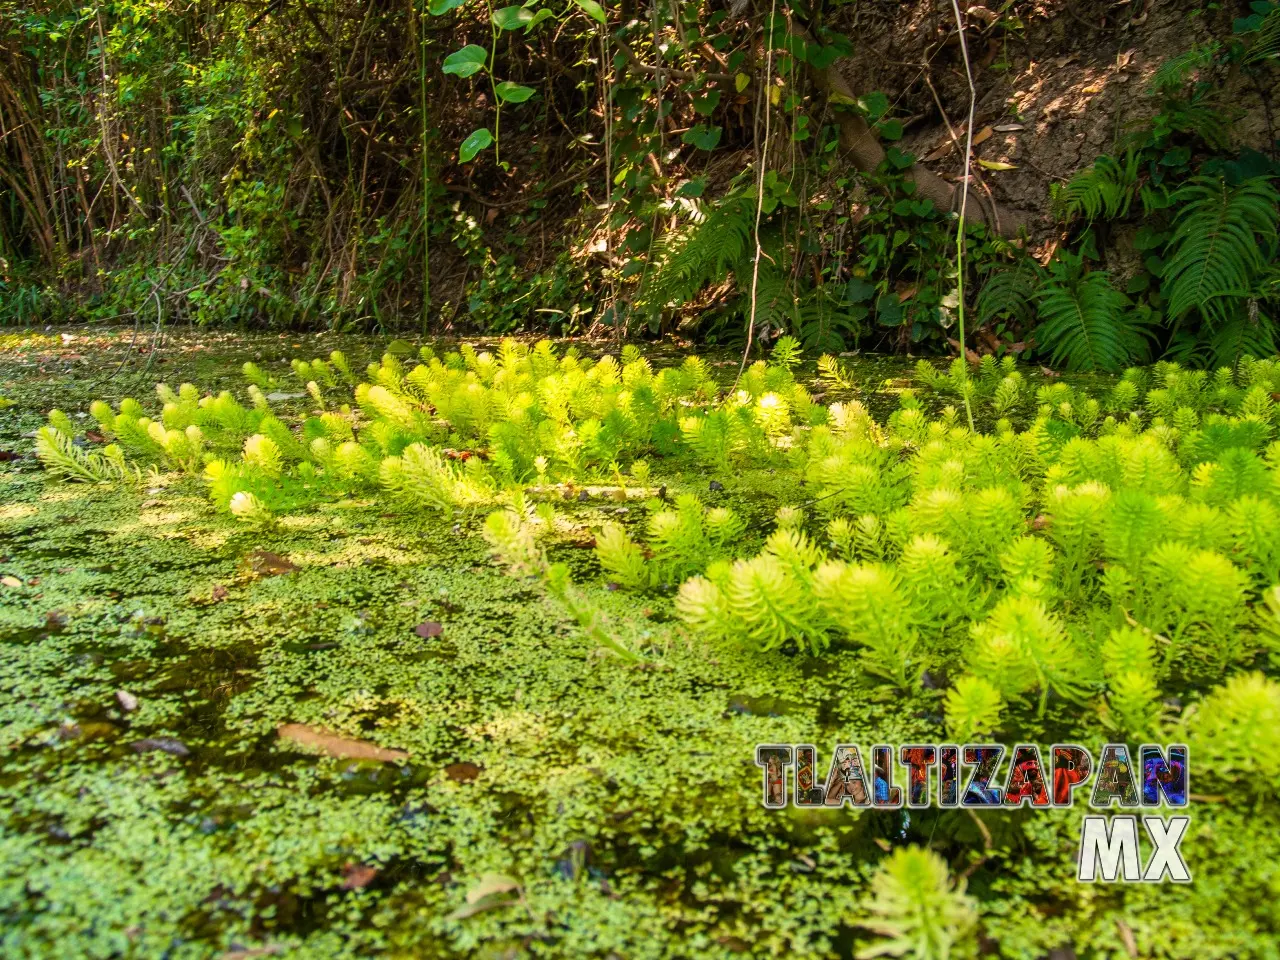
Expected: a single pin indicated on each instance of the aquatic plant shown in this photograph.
(920, 910)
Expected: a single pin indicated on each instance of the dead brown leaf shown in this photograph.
(982, 135)
(1127, 937)
(486, 895)
(428, 629)
(267, 564)
(463, 772)
(335, 746)
(357, 875)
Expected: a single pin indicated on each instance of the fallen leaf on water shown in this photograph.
(219, 592)
(268, 564)
(7, 455)
(357, 875)
(166, 744)
(486, 895)
(428, 629)
(462, 772)
(252, 952)
(336, 746)
(1127, 937)
(128, 702)
(94, 436)
(11, 581)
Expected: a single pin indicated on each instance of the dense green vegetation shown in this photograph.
(453, 164)
(569, 398)
(693, 567)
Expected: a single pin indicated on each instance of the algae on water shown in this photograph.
(557, 799)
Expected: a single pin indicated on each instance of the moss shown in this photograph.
(621, 799)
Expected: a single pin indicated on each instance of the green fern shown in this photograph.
(1010, 294)
(1105, 190)
(1085, 322)
(1224, 239)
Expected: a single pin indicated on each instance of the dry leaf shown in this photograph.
(11, 581)
(462, 772)
(268, 564)
(128, 702)
(335, 746)
(940, 151)
(428, 629)
(1126, 935)
(982, 135)
(1008, 127)
(485, 895)
(357, 875)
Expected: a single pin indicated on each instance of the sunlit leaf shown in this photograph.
(477, 141)
(509, 92)
(512, 18)
(543, 14)
(467, 61)
(592, 10)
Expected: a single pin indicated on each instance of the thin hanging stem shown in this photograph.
(760, 165)
(426, 168)
(964, 202)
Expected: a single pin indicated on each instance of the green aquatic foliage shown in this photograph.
(679, 542)
(513, 541)
(1235, 733)
(921, 911)
(973, 707)
(63, 458)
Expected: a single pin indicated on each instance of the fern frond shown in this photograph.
(1086, 323)
(1224, 237)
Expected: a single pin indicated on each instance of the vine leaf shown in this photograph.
(702, 136)
(707, 103)
(592, 10)
(512, 18)
(509, 92)
(538, 17)
(467, 61)
(477, 141)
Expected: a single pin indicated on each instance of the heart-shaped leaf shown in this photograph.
(467, 61)
(511, 18)
(707, 103)
(592, 10)
(509, 92)
(543, 14)
(702, 136)
(477, 141)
